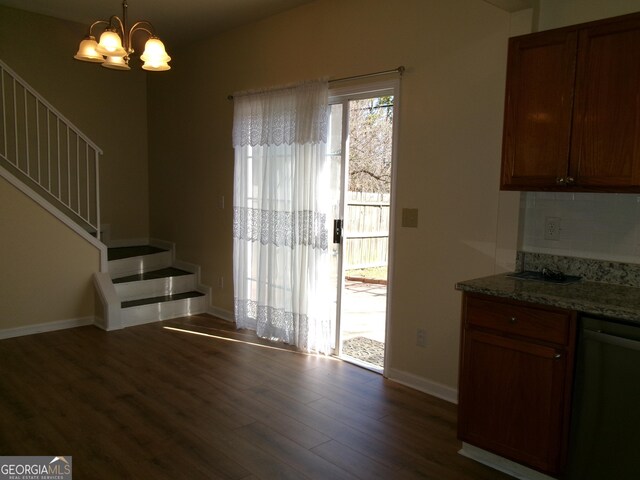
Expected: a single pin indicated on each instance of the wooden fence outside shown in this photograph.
(366, 230)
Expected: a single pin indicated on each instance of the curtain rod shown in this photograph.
(399, 70)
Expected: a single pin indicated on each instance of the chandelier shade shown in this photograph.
(87, 51)
(116, 63)
(110, 45)
(115, 47)
(155, 57)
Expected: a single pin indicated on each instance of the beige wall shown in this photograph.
(449, 147)
(560, 13)
(108, 106)
(46, 268)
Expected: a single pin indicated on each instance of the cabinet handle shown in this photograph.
(565, 180)
(513, 320)
(557, 356)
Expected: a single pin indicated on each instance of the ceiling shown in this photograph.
(177, 22)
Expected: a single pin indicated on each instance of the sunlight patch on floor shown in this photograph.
(217, 337)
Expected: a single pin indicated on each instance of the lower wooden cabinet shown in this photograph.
(515, 380)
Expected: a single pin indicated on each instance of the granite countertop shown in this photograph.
(596, 298)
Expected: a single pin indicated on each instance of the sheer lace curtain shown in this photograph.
(280, 229)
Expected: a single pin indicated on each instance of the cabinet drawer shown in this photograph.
(539, 323)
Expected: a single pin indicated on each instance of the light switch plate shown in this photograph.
(410, 217)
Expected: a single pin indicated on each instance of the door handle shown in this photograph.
(337, 230)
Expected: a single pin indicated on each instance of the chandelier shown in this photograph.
(114, 49)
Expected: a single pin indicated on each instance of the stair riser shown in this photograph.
(135, 265)
(156, 287)
(163, 311)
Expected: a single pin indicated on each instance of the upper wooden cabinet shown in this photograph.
(572, 109)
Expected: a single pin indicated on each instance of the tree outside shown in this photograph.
(370, 144)
(370, 156)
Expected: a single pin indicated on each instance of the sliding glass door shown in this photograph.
(361, 152)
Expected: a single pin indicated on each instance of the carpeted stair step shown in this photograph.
(157, 283)
(153, 275)
(161, 299)
(125, 261)
(154, 309)
(118, 253)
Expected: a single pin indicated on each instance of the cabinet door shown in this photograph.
(605, 148)
(512, 400)
(538, 109)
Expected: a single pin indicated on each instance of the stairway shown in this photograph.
(150, 288)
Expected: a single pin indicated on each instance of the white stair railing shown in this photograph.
(49, 151)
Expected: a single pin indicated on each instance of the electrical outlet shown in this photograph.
(552, 228)
(222, 202)
(221, 282)
(421, 338)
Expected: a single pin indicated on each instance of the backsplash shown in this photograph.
(603, 226)
(627, 274)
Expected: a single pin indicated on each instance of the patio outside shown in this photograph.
(363, 320)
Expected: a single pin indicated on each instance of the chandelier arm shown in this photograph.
(97, 22)
(141, 25)
(118, 24)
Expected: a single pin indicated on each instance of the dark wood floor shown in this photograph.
(205, 401)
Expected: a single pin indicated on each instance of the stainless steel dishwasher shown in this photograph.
(605, 434)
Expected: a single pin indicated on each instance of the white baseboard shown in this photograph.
(157, 242)
(422, 384)
(171, 246)
(221, 313)
(189, 267)
(45, 327)
(502, 464)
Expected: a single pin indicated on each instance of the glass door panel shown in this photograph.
(360, 152)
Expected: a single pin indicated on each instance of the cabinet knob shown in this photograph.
(513, 320)
(557, 356)
(569, 180)
(560, 180)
